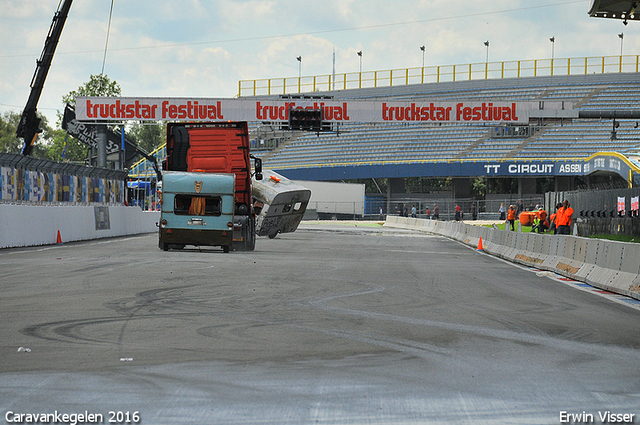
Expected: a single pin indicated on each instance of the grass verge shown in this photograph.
(618, 238)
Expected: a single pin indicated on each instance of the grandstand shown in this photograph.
(548, 139)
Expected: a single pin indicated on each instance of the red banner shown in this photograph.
(621, 205)
(201, 109)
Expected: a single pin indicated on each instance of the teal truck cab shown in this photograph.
(197, 209)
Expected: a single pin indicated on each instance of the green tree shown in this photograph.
(10, 143)
(413, 185)
(546, 184)
(98, 85)
(479, 186)
(63, 147)
(148, 136)
(371, 185)
(436, 185)
(502, 185)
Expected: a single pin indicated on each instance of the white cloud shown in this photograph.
(24, 9)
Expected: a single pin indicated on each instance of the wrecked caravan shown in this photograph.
(281, 203)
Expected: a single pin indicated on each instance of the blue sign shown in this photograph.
(607, 162)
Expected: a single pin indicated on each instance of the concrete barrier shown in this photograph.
(32, 225)
(592, 250)
(617, 269)
(567, 263)
(609, 265)
(531, 252)
(492, 241)
(502, 240)
(512, 246)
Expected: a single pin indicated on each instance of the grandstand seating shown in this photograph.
(364, 143)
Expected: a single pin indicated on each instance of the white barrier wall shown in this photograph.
(613, 266)
(29, 225)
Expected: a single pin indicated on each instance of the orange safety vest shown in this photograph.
(543, 218)
(568, 212)
(564, 216)
(560, 216)
(511, 214)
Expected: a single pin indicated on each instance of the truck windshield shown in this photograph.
(197, 205)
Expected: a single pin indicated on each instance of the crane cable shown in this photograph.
(104, 59)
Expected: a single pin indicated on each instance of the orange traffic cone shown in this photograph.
(59, 239)
(479, 245)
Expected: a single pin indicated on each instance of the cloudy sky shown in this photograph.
(202, 48)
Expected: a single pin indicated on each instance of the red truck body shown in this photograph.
(217, 148)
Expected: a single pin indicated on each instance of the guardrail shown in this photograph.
(609, 265)
(143, 168)
(440, 73)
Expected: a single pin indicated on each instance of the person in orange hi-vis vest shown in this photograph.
(552, 219)
(563, 218)
(511, 217)
(540, 221)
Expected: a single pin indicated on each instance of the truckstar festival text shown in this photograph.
(175, 109)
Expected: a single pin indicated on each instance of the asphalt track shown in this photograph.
(332, 324)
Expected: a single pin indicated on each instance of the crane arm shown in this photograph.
(28, 127)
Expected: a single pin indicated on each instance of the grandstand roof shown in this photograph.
(614, 9)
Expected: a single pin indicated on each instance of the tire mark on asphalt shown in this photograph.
(71, 330)
(535, 339)
(152, 302)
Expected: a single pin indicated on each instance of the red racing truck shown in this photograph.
(221, 147)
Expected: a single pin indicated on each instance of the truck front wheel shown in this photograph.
(248, 235)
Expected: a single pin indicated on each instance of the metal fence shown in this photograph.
(472, 209)
(597, 204)
(608, 212)
(442, 73)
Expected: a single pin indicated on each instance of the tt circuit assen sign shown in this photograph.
(532, 169)
(601, 162)
(337, 111)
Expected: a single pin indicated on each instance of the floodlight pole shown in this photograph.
(486, 64)
(621, 36)
(553, 51)
(423, 48)
(299, 59)
(333, 75)
(360, 74)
